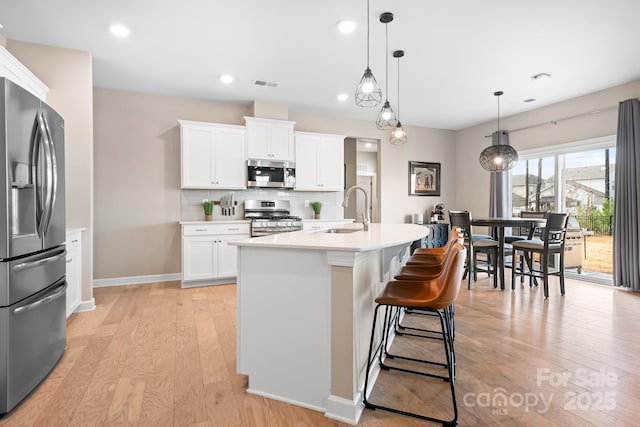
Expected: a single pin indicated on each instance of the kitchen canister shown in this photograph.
(418, 218)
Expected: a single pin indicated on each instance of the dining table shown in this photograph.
(500, 223)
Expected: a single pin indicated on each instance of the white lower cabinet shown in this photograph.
(74, 270)
(207, 257)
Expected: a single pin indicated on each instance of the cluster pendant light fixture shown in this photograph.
(386, 118)
(500, 156)
(368, 93)
(398, 135)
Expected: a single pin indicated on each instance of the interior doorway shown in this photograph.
(361, 168)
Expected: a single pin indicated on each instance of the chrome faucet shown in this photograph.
(345, 203)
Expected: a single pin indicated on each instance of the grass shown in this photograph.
(599, 254)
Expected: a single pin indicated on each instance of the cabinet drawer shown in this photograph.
(204, 229)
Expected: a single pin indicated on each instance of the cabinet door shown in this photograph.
(199, 257)
(281, 141)
(230, 163)
(228, 255)
(331, 164)
(306, 163)
(74, 272)
(197, 143)
(258, 140)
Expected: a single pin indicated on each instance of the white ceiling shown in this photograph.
(457, 52)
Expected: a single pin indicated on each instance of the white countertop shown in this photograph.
(379, 236)
(345, 220)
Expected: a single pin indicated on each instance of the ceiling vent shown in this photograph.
(541, 76)
(263, 83)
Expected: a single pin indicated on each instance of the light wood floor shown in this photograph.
(159, 355)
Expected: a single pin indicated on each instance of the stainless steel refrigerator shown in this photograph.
(32, 249)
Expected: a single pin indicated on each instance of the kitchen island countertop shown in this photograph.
(377, 237)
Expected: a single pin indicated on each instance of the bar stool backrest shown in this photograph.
(530, 232)
(461, 220)
(451, 279)
(555, 231)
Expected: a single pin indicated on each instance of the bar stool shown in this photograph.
(430, 295)
(475, 245)
(552, 243)
(422, 272)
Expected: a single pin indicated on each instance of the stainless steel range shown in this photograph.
(270, 217)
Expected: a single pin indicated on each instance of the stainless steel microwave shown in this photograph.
(271, 174)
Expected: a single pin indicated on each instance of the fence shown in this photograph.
(600, 225)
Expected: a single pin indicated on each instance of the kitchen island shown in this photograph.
(305, 306)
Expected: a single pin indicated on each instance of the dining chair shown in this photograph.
(551, 244)
(524, 233)
(462, 220)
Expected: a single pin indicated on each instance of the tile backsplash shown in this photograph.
(191, 203)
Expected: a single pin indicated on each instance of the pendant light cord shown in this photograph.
(386, 61)
(367, 33)
(398, 115)
(498, 113)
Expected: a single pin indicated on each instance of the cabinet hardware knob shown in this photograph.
(69, 260)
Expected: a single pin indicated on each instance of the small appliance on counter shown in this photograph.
(270, 217)
(437, 215)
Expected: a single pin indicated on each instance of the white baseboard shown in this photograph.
(86, 306)
(344, 410)
(136, 280)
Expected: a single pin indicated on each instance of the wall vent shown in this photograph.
(264, 83)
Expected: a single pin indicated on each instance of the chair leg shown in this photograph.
(473, 266)
(545, 274)
(448, 348)
(494, 268)
(514, 267)
(562, 273)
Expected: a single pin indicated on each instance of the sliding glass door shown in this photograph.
(578, 179)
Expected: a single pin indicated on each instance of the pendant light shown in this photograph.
(368, 93)
(386, 118)
(500, 156)
(398, 135)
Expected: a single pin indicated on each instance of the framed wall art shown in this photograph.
(424, 179)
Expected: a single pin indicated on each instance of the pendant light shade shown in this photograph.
(500, 156)
(368, 92)
(398, 135)
(386, 118)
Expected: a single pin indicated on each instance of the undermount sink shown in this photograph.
(340, 230)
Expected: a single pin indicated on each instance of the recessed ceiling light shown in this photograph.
(346, 26)
(226, 79)
(119, 30)
(1, 26)
(343, 97)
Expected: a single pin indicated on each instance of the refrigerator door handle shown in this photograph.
(26, 308)
(53, 171)
(32, 264)
(46, 213)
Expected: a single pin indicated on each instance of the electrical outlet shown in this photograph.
(306, 203)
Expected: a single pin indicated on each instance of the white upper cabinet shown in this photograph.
(319, 162)
(13, 70)
(213, 155)
(269, 139)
